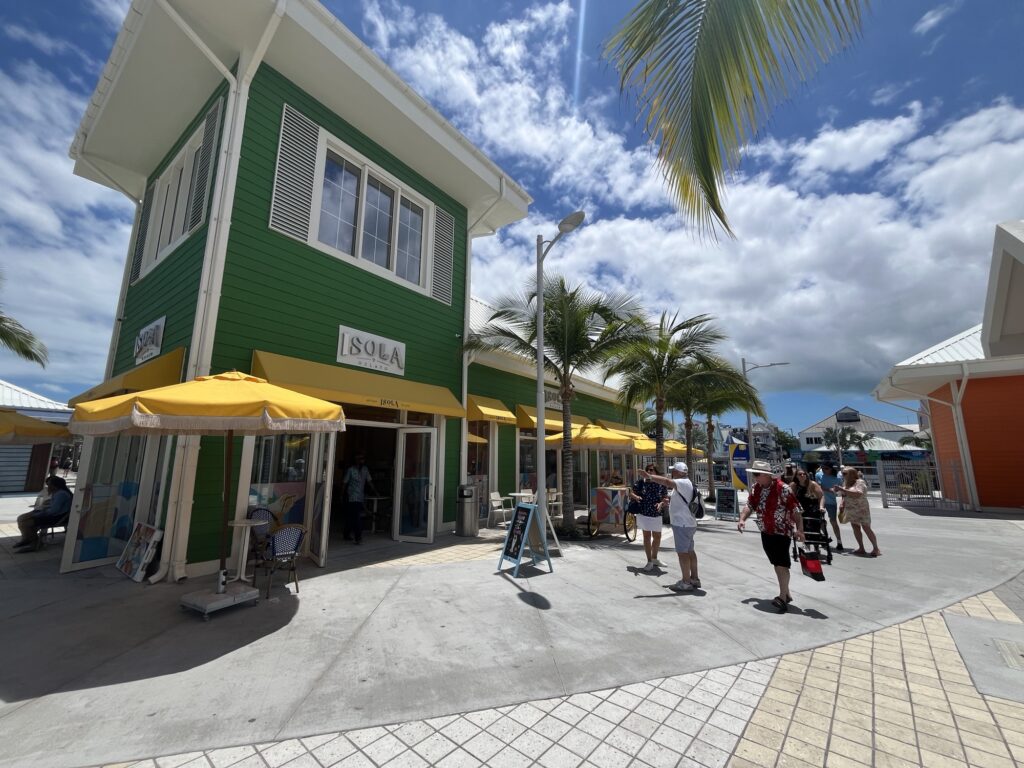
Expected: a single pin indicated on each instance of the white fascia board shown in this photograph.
(925, 379)
(1007, 249)
(509, 363)
(326, 29)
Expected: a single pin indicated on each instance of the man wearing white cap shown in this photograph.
(684, 525)
(778, 516)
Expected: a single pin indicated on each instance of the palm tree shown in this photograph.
(924, 443)
(844, 438)
(19, 339)
(711, 386)
(649, 420)
(708, 74)
(649, 365)
(583, 329)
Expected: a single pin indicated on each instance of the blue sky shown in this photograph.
(864, 212)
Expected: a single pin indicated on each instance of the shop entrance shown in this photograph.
(376, 445)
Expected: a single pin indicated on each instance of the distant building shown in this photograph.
(812, 438)
(972, 385)
(23, 467)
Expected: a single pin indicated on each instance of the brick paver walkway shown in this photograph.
(901, 696)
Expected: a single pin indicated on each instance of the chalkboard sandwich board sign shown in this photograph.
(525, 534)
(725, 504)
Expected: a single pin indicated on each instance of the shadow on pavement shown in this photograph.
(766, 606)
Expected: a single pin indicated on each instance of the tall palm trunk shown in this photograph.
(568, 508)
(688, 426)
(710, 448)
(659, 433)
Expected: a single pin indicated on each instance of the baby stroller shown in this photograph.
(816, 531)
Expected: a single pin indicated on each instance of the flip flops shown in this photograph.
(780, 605)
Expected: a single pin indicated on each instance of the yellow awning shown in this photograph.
(626, 429)
(346, 385)
(488, 409)
(158, 372)
(526, 418)
(593, 436)
(471, 438)
(27, 430)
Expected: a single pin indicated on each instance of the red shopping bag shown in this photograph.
(810, 564)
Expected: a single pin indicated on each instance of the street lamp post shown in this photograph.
(565, 226)
(751, 450)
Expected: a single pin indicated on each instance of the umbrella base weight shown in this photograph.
(207, 601)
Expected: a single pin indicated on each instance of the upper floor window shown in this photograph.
(365, 215)
(332, 198)
(175, 202)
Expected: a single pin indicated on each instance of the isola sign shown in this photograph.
(366, 350)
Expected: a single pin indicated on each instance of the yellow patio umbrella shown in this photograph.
(593, 436)
(17, 429)
(227, 403)
(678, 448)
(471, 438)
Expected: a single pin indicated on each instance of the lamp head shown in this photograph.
(570, 222)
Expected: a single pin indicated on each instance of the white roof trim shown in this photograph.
(1003, 332)
(963, 347)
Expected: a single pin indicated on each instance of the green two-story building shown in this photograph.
(303, 215)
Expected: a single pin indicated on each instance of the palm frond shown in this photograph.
(707, 75)
(19, 340)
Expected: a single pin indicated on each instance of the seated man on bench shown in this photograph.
(53, 514)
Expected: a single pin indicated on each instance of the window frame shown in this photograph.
(184, 166)
(328, 143)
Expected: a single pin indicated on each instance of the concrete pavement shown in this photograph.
(360, 647)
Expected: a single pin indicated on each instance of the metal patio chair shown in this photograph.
(282, 552)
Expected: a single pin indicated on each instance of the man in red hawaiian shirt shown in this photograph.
(778, 516)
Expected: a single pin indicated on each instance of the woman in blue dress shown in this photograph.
(649, 496)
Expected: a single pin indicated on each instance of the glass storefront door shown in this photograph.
(316, 524)
(107, 499)
(414, 485)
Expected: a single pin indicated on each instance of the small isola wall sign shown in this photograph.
(366, 350)
(149, 340)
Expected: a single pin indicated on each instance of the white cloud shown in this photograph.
(887, 93)
(935, 16)
(506, 94)
(841, 284)
(63, 239)
(854, 149)
(112, 12)
(51, 46)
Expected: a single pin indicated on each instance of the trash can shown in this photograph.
(467, 520)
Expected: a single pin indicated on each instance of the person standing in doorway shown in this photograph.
(684, 525)
(649, 495)
(829, 501)
(357, 477)
(778, 517)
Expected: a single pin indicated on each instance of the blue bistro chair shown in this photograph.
(282, 551)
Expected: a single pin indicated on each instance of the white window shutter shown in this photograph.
(200, 194)
(292, 202)
(444, 256)
(140, 234)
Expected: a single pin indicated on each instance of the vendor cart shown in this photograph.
(610, 512)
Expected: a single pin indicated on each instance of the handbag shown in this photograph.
(810, 563)
(633, 507)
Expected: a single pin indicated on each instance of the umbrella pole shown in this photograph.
(222, 578)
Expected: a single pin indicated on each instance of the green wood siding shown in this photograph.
(207, 505)
(283, 296)
(171, 288)
(520, 390)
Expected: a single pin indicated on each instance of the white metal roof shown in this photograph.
(863, 424)
(963, 347)
(20, 399)
(130, 123)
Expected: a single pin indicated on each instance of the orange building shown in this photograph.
(972, 387)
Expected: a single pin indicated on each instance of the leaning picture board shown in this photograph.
(526, 537)
(139, 551)
(725, 504)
